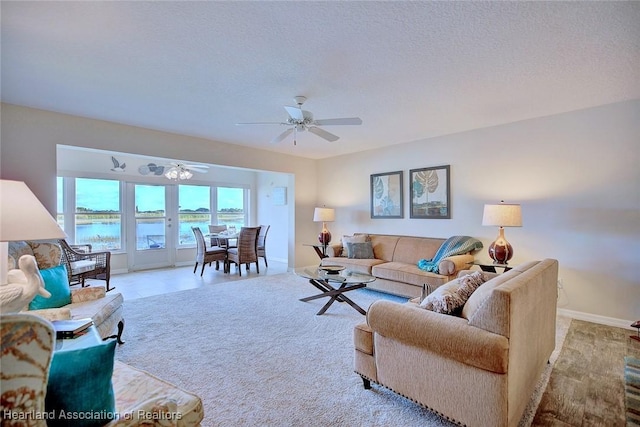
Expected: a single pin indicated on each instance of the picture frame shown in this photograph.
(386, 195)
(430, 194)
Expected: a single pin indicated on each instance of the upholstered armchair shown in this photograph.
(34, 366)
(105, 309)
(27, 348)
(247, 250)
(86, 265)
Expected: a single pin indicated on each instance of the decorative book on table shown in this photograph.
(71, 328)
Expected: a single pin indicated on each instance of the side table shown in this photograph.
(491, 268)
(321, 250)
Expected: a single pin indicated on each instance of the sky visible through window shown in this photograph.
(102, 195)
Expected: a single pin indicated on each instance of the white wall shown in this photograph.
(577, 176)
(28, 153)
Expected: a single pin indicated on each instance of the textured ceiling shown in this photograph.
(410, 70)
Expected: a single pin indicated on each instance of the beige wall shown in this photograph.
(28, 153)
(577, 176)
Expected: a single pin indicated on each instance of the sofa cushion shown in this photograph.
(412, 249)
(384, 246)
(408, 273)
(56, 282)
(360, 250)
(80, 383)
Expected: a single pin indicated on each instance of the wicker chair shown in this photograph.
(207, 256)
(247, 250)
(215, 229)
(86, 265)
(262, 242)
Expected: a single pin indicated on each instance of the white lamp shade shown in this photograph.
(23, 217)
(324, 215)
(502, 215)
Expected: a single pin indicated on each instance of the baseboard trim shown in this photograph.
(594, 318)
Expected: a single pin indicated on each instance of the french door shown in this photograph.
(150, 236)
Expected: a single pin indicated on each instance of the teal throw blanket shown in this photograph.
(455, 245)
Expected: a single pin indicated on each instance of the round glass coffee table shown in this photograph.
(326, 280)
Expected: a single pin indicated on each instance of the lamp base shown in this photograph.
(500, 250)
(324, 238)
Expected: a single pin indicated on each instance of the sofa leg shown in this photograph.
(366, 383)
(118, 336)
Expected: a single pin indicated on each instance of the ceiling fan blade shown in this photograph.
(323, 134)
(262, 123)
(282, 136)
(343, 121)
(294, 112)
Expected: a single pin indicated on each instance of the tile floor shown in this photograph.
(146, 283)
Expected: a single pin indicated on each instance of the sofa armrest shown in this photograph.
(452, 264)
(334, 250)
(51, 314)
(91, 293)
(448, 336)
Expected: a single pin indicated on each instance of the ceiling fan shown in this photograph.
(301, 120)
(178, 171)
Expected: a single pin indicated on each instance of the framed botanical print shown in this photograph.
(386, 195)
(430, 194)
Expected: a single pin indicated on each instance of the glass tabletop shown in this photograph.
(343, 276)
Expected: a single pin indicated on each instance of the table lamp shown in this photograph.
(324, 215)
(22, 217)
(502, 215)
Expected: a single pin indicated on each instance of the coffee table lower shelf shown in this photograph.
(335, 294)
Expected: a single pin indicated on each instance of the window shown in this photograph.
(98, 219)
(194, 210)
(230, 207)
(150, 217)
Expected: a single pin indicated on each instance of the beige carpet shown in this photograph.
(259, 357)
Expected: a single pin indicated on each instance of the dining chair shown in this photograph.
(262, 242)
(207, 256)
(246, 252)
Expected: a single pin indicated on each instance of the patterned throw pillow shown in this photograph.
(444, 300)
(469, 283)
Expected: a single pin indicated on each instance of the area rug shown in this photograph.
(257, 356)
(586, 386)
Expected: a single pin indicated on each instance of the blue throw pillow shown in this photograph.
(56, 281)
(360, 250)
(79, 390)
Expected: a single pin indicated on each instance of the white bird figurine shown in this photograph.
(23, 286)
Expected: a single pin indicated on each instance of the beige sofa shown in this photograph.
(395, 265)
(478, 369)
(105, 309)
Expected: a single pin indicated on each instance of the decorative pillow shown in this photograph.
(358, 238)
(57, 283)
(469, 283)
(445, 299)
(360, 250)
(80, 385)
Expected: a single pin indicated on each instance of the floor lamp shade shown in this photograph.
(501, 215)
(22, 217)
(324, 215)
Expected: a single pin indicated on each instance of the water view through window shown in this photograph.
(98, 216)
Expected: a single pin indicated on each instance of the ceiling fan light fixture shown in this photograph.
(177, 173)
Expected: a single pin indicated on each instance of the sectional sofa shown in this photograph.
(395, 263)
